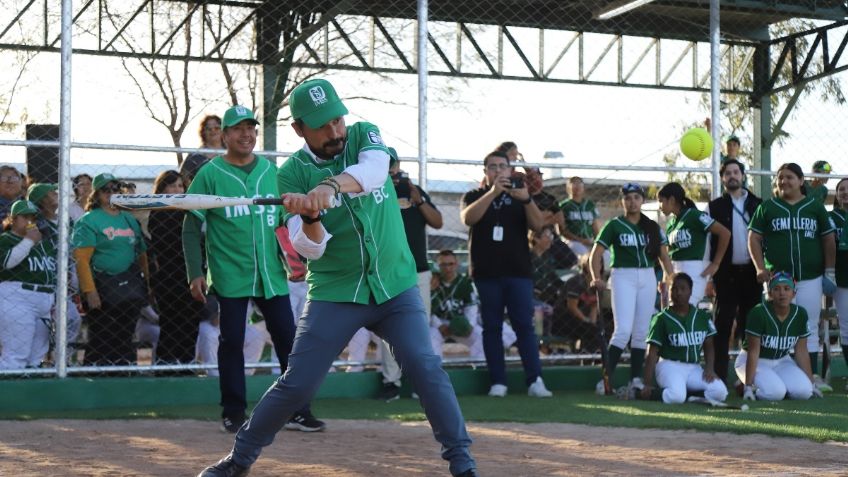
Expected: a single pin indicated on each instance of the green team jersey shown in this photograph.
(681, 338)
(117, 239)
(449, 300)
(38, 268)
(792, 235)
(368, 254)
(579, 217)
(839, 216)
(627, 243)
(688, 234)
(777, 338)
(818, 192)
(241, 247)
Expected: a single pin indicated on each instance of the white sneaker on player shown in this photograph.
(538, 389)
(599, 388)
(637, 384)
(497, 390)
(821, 384)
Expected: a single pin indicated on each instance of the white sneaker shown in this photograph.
(821, 384)
(538, 389)
(599, 388)
(497, 390)
(637, 383)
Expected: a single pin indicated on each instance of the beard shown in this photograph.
(330, 149)
(733, 185)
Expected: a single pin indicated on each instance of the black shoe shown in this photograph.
(468, 473)
(305, 422)
(389, 393)
(225, 468)
(232, 424)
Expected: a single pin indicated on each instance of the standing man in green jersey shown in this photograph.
(342, 215)
(244, 262)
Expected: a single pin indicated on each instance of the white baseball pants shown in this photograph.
(776, 378)
(633, 293)
(676, 378)
(693, 268)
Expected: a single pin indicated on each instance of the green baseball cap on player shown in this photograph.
(733, 138)
(822, 166)
(237, 114)
(781, 278)
(37, 191)
(393, 156)
(23, 207)
(316, 103)
(101, 180)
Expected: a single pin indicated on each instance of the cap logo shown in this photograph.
(318, 95)
(241, 111)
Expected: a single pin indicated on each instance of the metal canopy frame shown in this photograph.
(542, 40)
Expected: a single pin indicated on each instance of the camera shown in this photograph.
(516, 182)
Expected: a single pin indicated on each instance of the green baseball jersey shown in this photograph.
(242, 252)
(117, 239)
(838, 217)
(579, 217)
(688, 235)
(368, 254)
(777, 338)
(792, 235)
(681, 338)
(38, 268)
(627, 243)
(449, 300)
(818, 192)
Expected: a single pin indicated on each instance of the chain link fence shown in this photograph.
(584, 90)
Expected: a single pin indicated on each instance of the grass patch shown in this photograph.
(817, 419)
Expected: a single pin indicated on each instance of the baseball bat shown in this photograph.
(185, 201)
(824, 331)
(602, 335)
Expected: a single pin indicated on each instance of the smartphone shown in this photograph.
(516, 182)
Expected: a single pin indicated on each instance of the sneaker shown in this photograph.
(538, 389)
(389, 393)
(627, 393)
(497, 390)
(599, 388)
(225, 468)
(232, 424)
(821, 384)
(637, 384)
(305, 422)
(414, 395)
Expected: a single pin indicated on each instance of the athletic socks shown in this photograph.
(637, 362)
(614, 354)
(814, 362)
(845, 353)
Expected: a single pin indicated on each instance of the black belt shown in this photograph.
(38, 288)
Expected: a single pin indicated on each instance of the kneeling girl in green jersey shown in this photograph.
(773, 330)
(675, 339)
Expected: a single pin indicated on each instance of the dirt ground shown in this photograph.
(387, 448)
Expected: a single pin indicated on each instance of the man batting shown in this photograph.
(244, 262)
(342, 215)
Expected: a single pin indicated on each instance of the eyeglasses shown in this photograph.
(497, 167)
(10, 179)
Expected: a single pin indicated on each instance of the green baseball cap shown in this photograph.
(822, 166)
(237, 114)
(781, 278)
(23, 207)
(101, 180)
(37, 191)
(316, 103)
(733, 138)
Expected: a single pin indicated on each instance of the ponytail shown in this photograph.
(676, 191)
(651, 230)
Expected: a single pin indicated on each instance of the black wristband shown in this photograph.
(525, 202)
(309, 220)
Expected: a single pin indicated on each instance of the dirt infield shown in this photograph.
(388, 448)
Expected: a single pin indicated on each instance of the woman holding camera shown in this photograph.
(112, 266)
